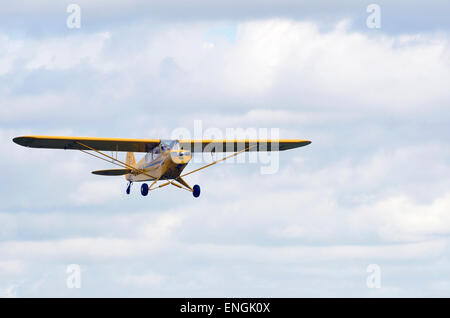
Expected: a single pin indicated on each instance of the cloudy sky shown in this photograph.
(372, 188)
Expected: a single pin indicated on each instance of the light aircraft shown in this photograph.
(164, 160)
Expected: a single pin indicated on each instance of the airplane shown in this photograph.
(164, 160)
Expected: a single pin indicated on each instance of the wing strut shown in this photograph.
(183, 184)
(114, 161)
(213, 163)
(188, 188)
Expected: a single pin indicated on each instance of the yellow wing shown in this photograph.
(146, 145)
(234, 145)
(102, 144)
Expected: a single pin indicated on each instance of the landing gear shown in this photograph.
(129, 187)
(196, 191)
(144, 189)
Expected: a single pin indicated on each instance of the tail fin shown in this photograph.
(131, 161)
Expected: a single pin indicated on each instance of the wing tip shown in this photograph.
(22, 140)
(295, 144)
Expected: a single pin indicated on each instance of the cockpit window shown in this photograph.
(155, 152)
(176, 145)
(148, 157)
(170, 144)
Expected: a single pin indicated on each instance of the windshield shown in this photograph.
(170, 144)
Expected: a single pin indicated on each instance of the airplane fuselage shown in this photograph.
(166, 165)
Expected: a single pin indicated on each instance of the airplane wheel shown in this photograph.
(144, 189)
(196, 192)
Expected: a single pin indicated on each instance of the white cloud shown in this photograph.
(144, 280)
(385, 73)
(12, 267)
(96, 192)
(11, 292)
(298, 254)
(272, 63)
(7, 56)
(66, 53)
(59, 53)
(401, 219)
(37, 107)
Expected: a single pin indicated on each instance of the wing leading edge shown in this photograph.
(234, 145)
(101, 144)
(145, 145)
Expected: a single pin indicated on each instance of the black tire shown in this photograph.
(144, 189)
(196, 192)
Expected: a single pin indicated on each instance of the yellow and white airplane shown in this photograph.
(164, 160)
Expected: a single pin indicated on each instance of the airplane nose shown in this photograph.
(181, 157)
